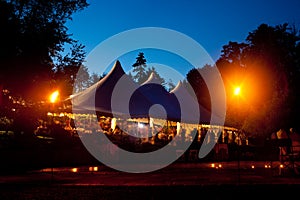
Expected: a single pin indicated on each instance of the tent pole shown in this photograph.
(168, 125)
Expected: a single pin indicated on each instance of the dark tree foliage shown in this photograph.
(170, 85)
(267, 66)
(94, 78)
(199, 86)
(67, 70)
(139, 68)
(33, 34)
(142, 72)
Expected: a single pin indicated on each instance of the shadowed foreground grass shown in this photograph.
(147, 192)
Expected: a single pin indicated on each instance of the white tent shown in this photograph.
(108, 95)
(84, 102)
(119, 96)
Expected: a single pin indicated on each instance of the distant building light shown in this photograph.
(74, 170)
(93, 169)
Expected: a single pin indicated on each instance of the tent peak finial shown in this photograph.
(152, 79)
(117, 65)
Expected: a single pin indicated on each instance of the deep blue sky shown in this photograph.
(211, 23)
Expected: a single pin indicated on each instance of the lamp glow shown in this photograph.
(237, 91)
(54, 96)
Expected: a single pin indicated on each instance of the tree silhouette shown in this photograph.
(32, 39)
(170, 85)
(139, 68)
(66, 70)
(94, 78)
(142, 72)
(199, 86)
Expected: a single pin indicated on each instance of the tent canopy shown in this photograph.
(118, 95)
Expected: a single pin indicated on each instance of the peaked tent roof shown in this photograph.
(108, 96)
(151, 79)
(84, 102)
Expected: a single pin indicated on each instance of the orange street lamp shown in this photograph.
(237, 95)
(237, 91)
(54, 96)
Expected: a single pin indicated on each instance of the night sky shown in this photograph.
(211, 23)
